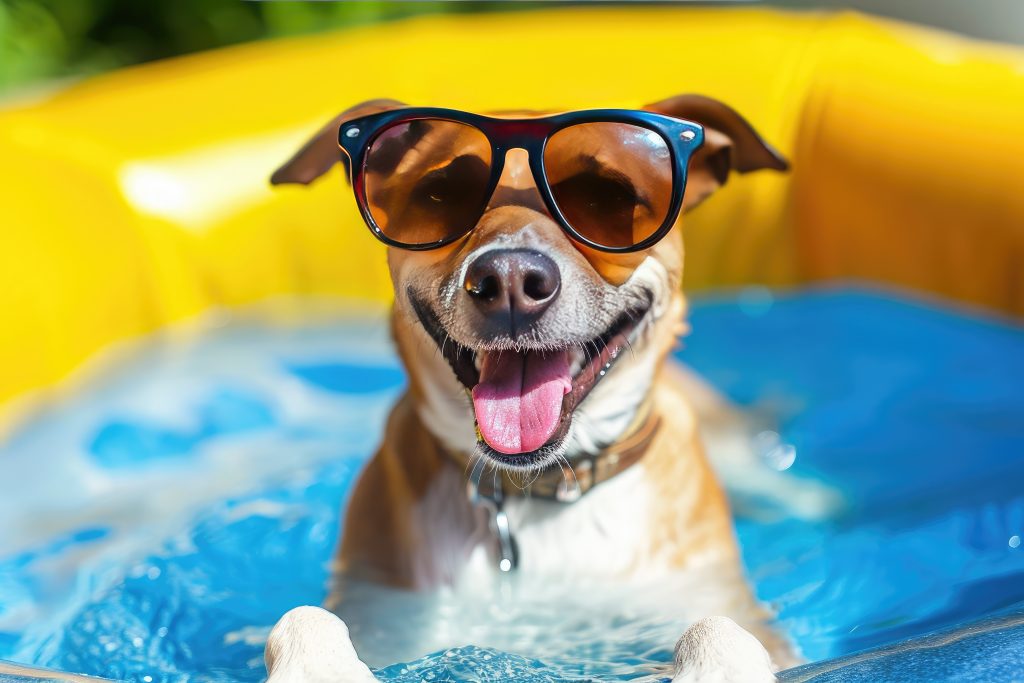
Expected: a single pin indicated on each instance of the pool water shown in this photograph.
(160, 520)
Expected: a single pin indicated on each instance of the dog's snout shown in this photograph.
(512, 287)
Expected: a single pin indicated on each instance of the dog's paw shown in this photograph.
(717, 650)
(311, 645)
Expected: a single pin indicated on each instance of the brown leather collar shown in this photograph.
(565, 484)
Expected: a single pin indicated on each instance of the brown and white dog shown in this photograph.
(646, 503)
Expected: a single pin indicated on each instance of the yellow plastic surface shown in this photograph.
(140, 198)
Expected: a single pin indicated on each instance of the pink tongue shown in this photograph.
(519, 398)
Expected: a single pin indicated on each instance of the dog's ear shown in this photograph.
(321, 151)
(730, 143)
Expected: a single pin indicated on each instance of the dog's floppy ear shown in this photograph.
(321, 151)
(730, 143)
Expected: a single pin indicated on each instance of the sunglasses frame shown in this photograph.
(682, 137)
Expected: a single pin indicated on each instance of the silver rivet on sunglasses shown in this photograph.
(352, 132)
(687, 135)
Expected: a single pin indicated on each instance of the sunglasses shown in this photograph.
(613, 179)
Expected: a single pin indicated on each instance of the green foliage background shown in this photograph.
(41, 40)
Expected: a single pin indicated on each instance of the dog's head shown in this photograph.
(523, 341)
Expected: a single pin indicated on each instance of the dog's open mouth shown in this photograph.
(524, 400)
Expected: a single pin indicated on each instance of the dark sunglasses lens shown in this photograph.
(426, 180)
(611, 181)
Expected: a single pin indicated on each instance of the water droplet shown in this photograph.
(781, 457)
(1014, 541)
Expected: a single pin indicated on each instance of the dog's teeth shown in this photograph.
(478, 360)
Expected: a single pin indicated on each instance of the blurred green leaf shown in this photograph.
(48, 39)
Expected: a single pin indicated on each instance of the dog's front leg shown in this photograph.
(311, 645)
(718, 650)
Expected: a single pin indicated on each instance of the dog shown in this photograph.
(594, 471)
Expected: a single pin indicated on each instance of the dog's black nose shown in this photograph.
(512, 287)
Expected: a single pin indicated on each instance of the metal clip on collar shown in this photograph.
(508, 549)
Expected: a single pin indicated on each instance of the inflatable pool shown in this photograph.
(195, 368)
(193, 496)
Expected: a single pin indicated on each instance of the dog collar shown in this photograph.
(564, 484)
(569, 482)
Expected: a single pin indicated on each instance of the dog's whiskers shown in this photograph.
(637, 330)
(568, 473)
(478, 470)
(598, 345)
(629, 345)
(527, 477)
(472, 462)
(444, 341)
(586, 353)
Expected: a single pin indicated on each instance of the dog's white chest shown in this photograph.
(603, 534)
